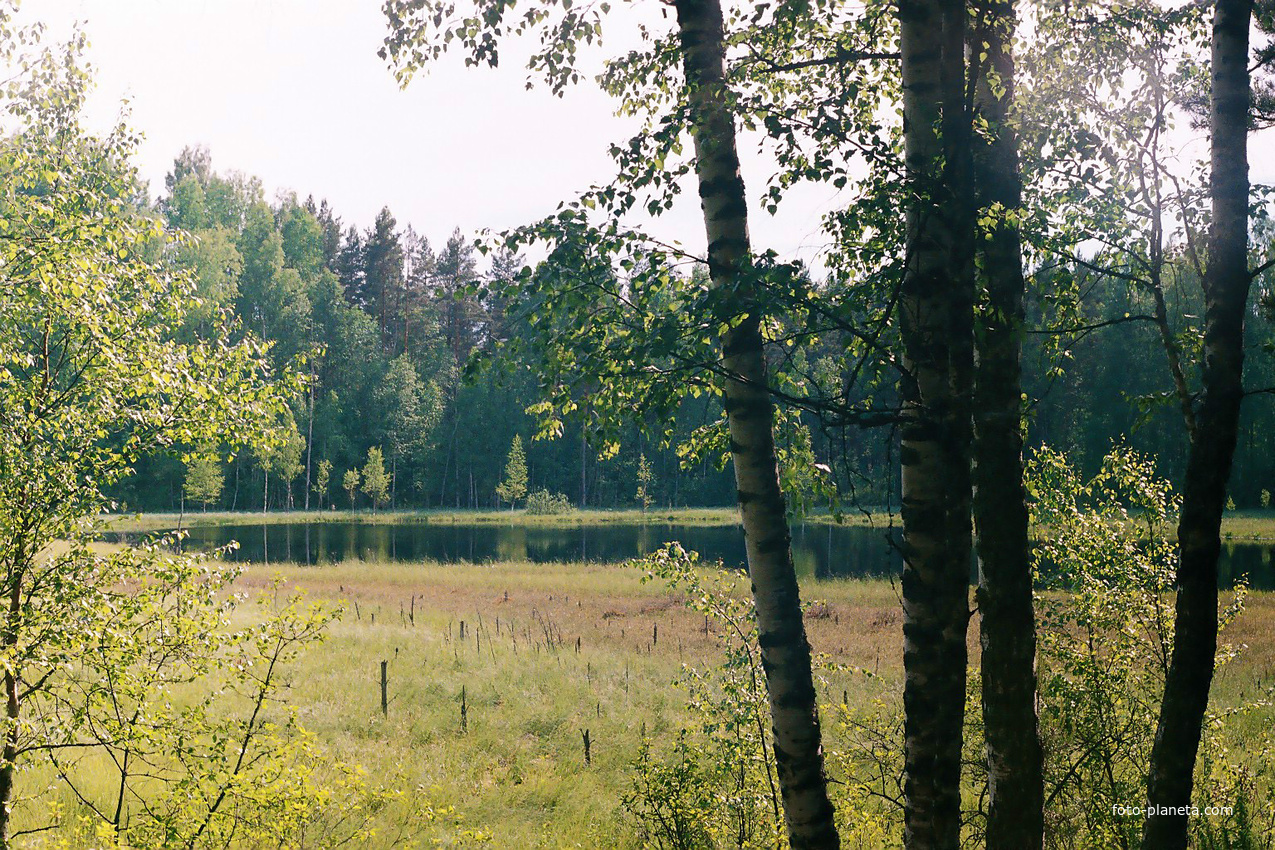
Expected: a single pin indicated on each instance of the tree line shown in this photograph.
(382, 325)
(387, 327)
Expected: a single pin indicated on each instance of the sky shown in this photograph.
(292, 91)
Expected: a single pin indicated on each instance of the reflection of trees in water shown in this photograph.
(821, 551)
(511, 543)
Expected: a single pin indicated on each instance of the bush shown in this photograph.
(1105, 646)
(544, 503)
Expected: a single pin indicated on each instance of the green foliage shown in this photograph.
(282, 458)
(204, 479)
(1105, 645)
(514, 487)
(350, 483)
(644, 478)
(1265, 498)
(107, 355)
(376, 482)
(673, 799)
(544, 503)
(732, 794)
(322, 478)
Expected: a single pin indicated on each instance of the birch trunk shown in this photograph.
(785, 652)
(1015, 783)
(936, 323)
(1226, 287)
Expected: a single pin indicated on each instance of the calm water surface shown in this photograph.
(823, 551)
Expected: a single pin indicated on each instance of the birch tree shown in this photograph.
(732, 314)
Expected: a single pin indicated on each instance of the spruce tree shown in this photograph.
(514, 487)
(321, 479)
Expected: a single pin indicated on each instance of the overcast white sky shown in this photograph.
(292, 91)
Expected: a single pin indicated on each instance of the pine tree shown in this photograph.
(514, 486)
(382, 269)
(350, 267)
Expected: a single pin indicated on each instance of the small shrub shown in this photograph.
(673, 798)
(544, 503)
(722, 770)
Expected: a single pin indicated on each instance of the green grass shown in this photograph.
(676, 516)
(1237, 526)
(517, 772)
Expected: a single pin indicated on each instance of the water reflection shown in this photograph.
(823, 551)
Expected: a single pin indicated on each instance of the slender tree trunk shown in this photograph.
(309, 442)
(785, 652)
(1226, 287)
(1015, 804)
(9, 757)
(936, 323)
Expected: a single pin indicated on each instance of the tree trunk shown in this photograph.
(309, 441)
(785, 652)
(1015, 804)
(936, 323)
(8, 761)
(1226, 287)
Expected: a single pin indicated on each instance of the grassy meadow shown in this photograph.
(549, 651)
(516, 772)
(542, 653)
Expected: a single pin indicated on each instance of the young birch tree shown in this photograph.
(92, 377)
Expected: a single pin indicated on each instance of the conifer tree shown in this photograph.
(514, 487)
(322, 477)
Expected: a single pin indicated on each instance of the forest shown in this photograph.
(389, 326)
(1034, 360)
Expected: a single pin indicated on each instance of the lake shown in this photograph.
(822, 551)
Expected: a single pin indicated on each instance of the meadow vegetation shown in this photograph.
(544, 652)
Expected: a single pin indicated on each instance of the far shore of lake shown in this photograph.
(1237, 526)
(588, 516)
